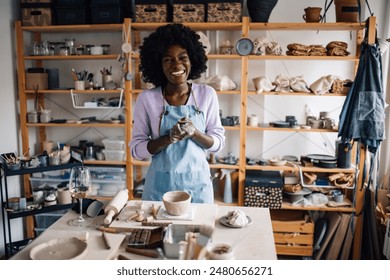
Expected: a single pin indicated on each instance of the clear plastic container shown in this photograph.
(113, 155)
(112, 144)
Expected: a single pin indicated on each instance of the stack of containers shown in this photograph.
(107, 181)
(114, 149)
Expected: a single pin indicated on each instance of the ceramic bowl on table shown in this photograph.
(176, 203)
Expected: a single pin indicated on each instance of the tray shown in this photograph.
(60, 249)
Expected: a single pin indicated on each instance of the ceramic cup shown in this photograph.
(220, 252)
(79, 85)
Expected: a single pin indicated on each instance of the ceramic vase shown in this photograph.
(260, 10)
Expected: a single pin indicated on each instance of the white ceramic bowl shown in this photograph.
(96, 50)
(176, 203)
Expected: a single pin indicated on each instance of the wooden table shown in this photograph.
(254, 242)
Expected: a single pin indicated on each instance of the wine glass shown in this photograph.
(79, 187)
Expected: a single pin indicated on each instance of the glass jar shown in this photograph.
(106, 49)
(70, 43)
(64, 50)
(80, 51)
(36, 48)
(88, 49)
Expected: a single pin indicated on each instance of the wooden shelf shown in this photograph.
(71, 57)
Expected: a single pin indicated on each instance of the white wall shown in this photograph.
(8, 106)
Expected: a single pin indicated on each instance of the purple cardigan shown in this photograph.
(148, 109)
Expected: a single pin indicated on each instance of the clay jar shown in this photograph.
(312, 14)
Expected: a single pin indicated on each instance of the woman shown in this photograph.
(176, 122)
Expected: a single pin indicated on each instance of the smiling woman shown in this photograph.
(176, 121)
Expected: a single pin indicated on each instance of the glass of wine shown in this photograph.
(79, 187)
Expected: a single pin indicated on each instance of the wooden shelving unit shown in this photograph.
(133, 88)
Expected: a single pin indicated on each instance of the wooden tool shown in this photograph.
(115, 205)
(106, 241)
(143, 252)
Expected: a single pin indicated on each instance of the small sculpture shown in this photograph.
(260, 46)
(263, 84)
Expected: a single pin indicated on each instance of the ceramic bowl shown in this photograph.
(176, 203)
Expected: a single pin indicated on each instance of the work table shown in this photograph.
(253, 242)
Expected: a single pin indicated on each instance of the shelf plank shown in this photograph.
(303, 57)
(263, 128)
(296, 93)
(311, 26)
(90, 124)
(74, 28)
(71, 57)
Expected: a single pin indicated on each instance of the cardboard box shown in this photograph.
(293, 232)
(224, 11)
(263, 189)
(189, 11)
(151, 11)
(37, 81)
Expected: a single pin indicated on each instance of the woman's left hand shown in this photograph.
(187, 127)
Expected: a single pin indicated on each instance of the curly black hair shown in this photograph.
(156, 44)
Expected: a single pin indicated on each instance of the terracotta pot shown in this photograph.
(260, 10)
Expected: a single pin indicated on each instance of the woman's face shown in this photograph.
(176, 65)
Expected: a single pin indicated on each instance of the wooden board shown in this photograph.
(333, 222)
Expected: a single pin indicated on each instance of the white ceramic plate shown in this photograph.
(60, 249)
(224, 221)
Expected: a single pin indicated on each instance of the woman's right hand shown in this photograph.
(176, 134)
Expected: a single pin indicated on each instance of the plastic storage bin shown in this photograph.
(44, 182)
(45, 220)
(112, 144)
(113, 155)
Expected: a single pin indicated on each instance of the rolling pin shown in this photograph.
(115, 205)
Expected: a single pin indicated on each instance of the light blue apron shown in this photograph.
(182, 165)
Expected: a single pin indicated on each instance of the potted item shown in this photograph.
(260, 10)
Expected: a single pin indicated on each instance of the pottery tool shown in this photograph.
(106, 241)
(143, 252)
(115, 205)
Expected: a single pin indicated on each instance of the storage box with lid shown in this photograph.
(107, 181)
(189, 11)
(72, 12)
(293, 232)
(151, 11)
(224, 11)
(263, 189)
(107, 11)
(114, 144)
(37, 12)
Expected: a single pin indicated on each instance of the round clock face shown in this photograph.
(244, 46)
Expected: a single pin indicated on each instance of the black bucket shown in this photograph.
(343, 154)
